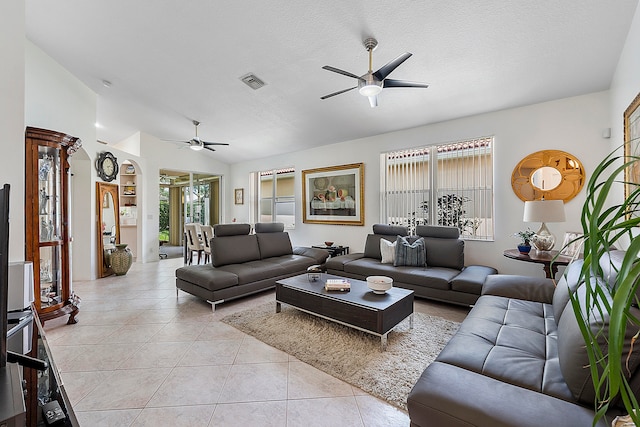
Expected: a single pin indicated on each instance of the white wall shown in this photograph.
(574, 125)
(625, 85)
(57, 100)
(12, 30)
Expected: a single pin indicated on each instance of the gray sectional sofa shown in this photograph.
(244, 263)
(518, 359)
(445, 277)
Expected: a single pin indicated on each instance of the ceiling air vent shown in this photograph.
(252, 81)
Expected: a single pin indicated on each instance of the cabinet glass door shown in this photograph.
(49, 200)
(50, 276)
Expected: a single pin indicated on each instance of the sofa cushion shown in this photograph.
(438, 231)
(269, 227)
(220, 230)
(338, 263)
(292, 263)
(234, 249)
(390, 230)
(207, 277)
(387, 251)
(437, 278)
(410, 253)
(567, 285)
(445, 252)
(514, 341)
(254, 271)
(573, 356)
(274, 244)
(372, 245)
(319, 256)
(471, 279)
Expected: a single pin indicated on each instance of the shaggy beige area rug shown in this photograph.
(348, 354)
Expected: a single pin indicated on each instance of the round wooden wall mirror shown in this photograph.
(548, 174)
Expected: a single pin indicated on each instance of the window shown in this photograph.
(276, 197)
(448, 184)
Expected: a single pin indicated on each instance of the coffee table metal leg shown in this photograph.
(383, 341)
(278, 307)
(411, 321)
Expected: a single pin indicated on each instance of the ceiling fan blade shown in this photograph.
(209, 148)
(214, 143)
(373, 101)
(385, 70)
(344, 73)
(174, 140)
(402, 83)
(338, 93)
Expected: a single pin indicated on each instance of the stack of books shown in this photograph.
(342, 285)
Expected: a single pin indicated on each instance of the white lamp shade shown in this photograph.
(544, 211)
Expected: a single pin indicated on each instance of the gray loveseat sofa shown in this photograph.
(244, 263)
(518, 359)
(444, 278)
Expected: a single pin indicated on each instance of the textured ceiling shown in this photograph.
(172, 61)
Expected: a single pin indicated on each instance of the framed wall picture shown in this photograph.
(632, 145)
(239, 196)
(572, 244)
(333, 195)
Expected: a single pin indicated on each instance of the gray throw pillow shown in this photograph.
(410, 254)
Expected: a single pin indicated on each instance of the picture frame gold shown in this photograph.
(571, 247)
(238, 196)
(632, 145)
(333, 195)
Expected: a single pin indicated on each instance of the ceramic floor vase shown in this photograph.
(121, 259)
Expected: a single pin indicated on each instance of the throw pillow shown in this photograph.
(388, 251)
(410, 254)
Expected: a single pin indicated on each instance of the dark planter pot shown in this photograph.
(524, 249)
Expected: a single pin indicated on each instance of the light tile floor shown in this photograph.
(139, 356)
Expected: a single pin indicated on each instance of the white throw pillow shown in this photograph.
(388, 251)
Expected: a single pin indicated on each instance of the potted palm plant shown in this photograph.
(605, 227)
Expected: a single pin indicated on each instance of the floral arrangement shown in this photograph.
(525, 235)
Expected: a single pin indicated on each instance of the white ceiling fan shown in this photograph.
(372, 83)
(196, 143)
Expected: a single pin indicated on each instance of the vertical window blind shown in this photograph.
(448, 184)
(276, 197)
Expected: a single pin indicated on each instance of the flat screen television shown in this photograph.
(4, 270)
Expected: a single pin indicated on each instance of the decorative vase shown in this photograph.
(524, 249)
(121, 259)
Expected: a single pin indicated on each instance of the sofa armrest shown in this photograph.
(519, 287)
(319, 255)
(337, 263)
(446, 395)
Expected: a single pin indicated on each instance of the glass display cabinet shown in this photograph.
(46, 220)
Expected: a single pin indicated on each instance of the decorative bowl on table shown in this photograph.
(379, 284)
(328, 243)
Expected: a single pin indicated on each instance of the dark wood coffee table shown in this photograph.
(359, 309)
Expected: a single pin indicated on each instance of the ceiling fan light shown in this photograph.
(370, 90)
(196, 147)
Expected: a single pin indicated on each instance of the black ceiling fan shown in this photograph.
(196, 143)
(372, 83)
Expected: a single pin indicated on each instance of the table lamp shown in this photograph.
(544, 211)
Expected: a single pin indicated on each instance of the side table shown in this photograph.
(541, 257)
(333, 250)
